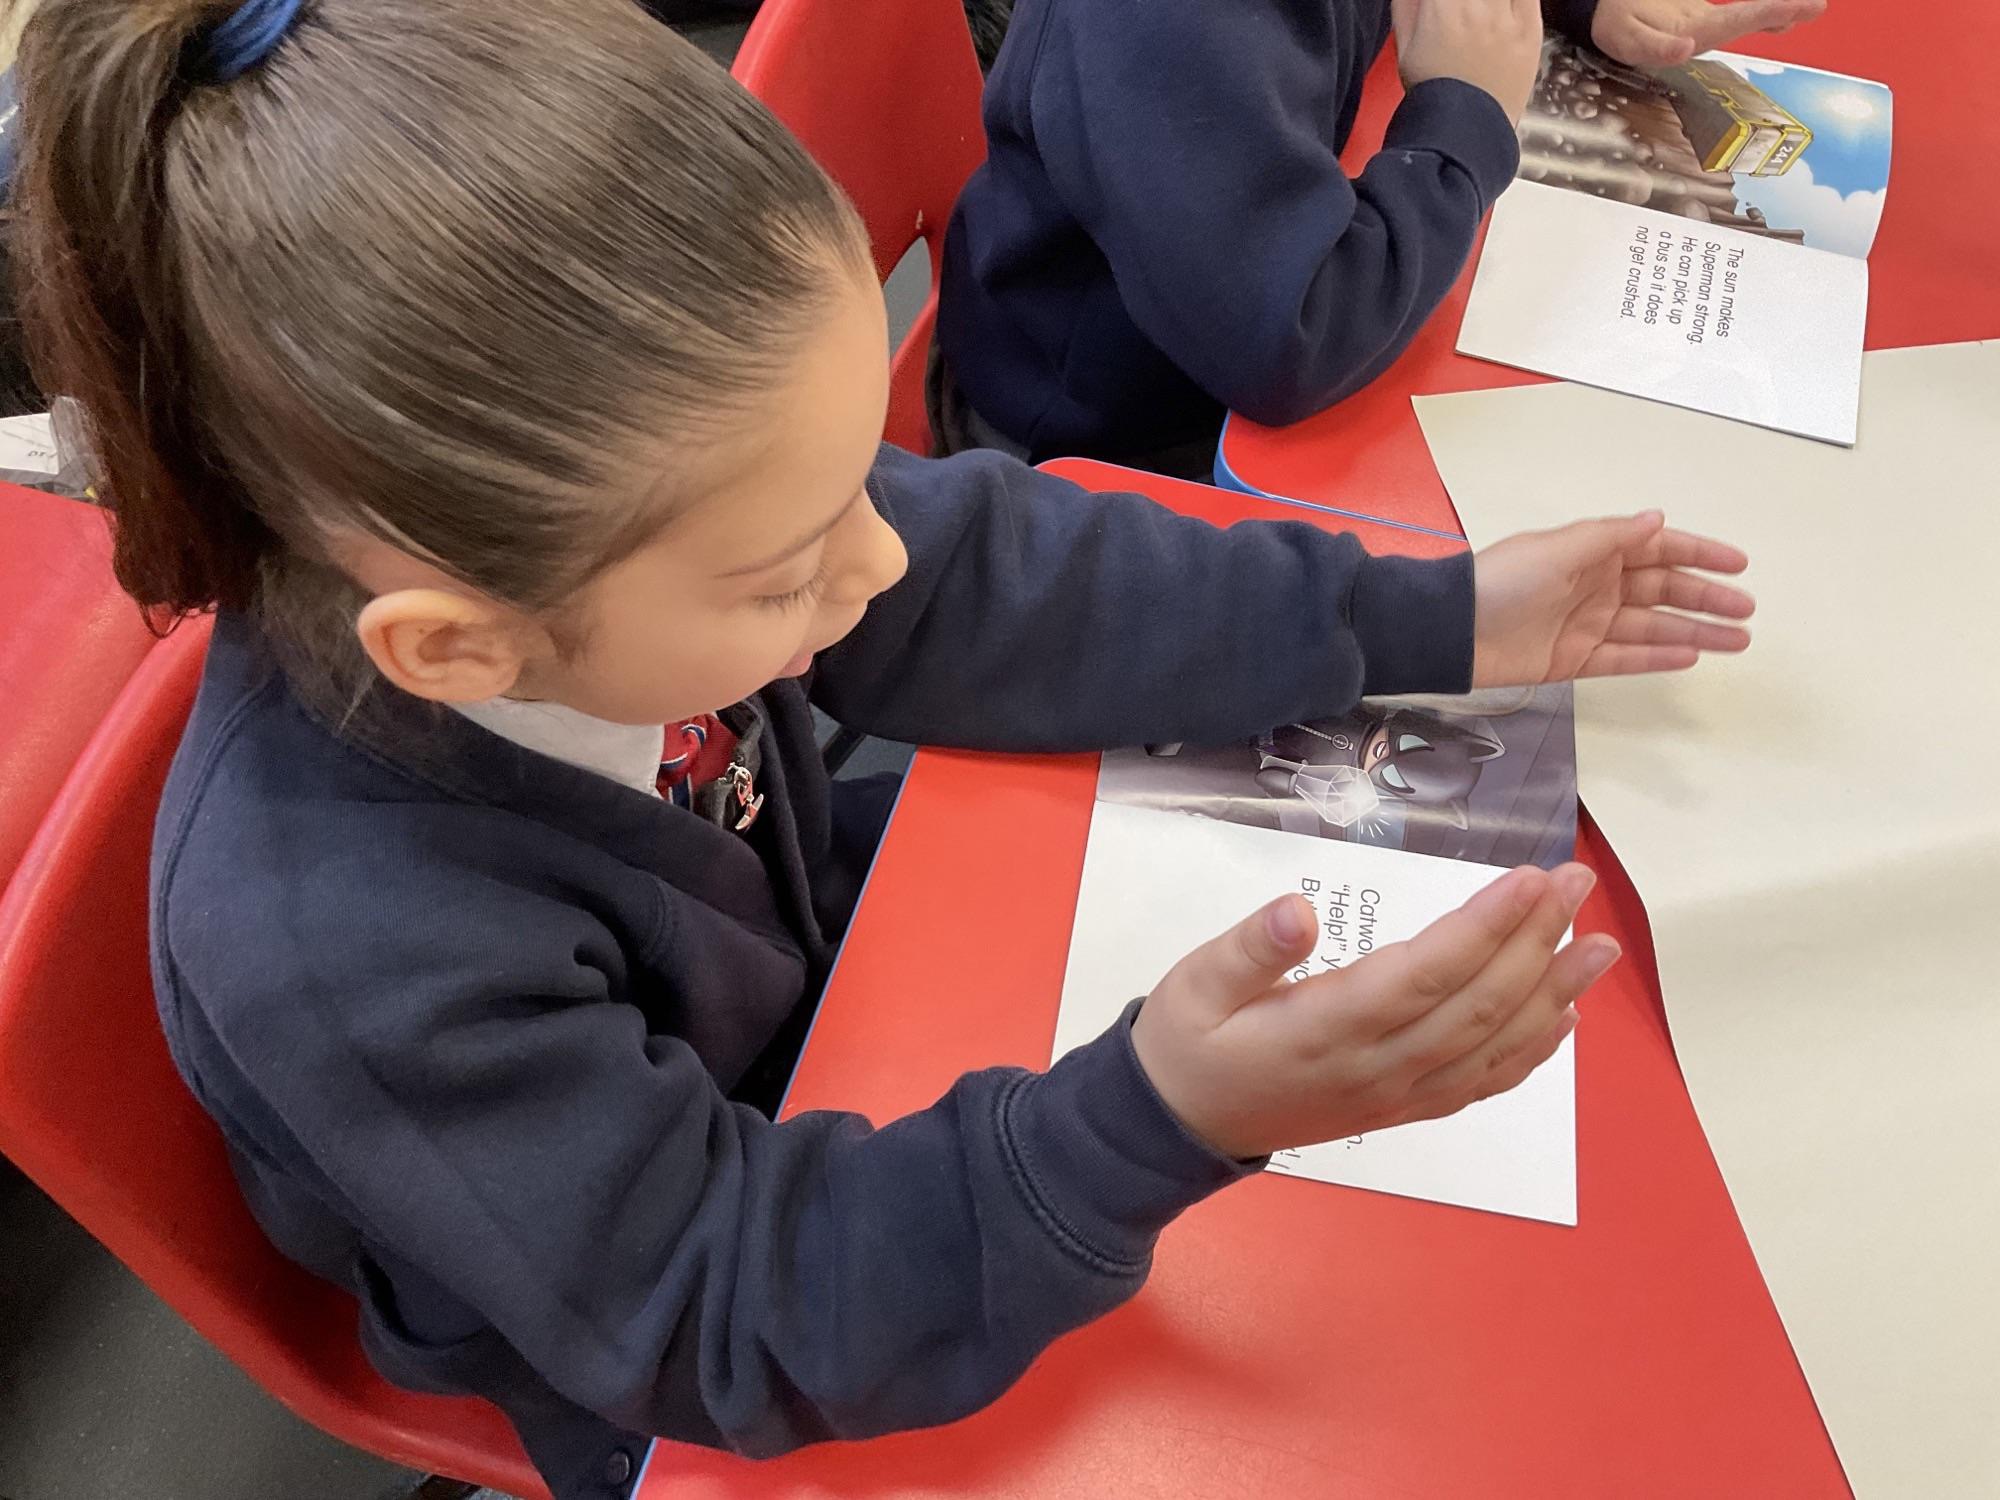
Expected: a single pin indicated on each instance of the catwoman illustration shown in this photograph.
(1489, 776)
(1391, 776)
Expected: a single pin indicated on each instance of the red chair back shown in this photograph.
(73, 641)
(92, 1109)
(885, 95)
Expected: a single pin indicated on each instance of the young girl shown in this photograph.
(510, 384)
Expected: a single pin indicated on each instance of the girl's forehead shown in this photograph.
(798, 455)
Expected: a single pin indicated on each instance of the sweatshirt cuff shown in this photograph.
(1412, 618)
(1573, 18)
(1464, 123)
(1102, 1160)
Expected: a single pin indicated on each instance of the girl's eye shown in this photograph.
(805, 594)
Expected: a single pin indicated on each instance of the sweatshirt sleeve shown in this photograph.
(494, 1112)
(1039, 616)
(1198, 152)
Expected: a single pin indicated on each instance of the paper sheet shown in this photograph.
(1697, 234)
(1696, 315)
(1156, 883)
(1815, 831)
(28, 445)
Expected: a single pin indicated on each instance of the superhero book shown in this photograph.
(1696, 235)
(1384, 819)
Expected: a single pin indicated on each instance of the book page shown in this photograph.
(28, 445)
(1694, 235)
(1384, 818)
(1703, 316)
(1814, 829)
(1488, 777)
(1769, 148)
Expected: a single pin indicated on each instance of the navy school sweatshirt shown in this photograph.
(1162, 230)
(470, 1018)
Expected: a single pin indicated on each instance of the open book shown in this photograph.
(1386, 819)
(1698, 235)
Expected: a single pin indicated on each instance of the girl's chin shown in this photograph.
(797, 666)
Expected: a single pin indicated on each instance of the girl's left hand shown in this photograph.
(1602, 599)
(1662, 33)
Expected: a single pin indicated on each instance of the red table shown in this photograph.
(1298, 1339)
(1934, 274)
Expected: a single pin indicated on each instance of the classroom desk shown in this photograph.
(1932, 276)
(1299, 1340)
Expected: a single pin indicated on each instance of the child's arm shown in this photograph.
(1196, 145)
(1036, 616)
(517, 1149)
(479, 1095)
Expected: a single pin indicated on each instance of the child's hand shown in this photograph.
(1466, 1009)
(1601, 599)
(1662, 33)
(1495, 45)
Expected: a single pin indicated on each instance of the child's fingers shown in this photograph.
(1514, 1074)
(1395, 985)
(1509, 1076)
(1482, 1071)
(1229, 971)
(1646, 45)
(1742, 17)
(1635, 661)
(1688, 591)
(1683, 549)
(1607, 536)
(1486, 1003)
(1659, 627)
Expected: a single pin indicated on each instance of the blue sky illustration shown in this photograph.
(1836, 191)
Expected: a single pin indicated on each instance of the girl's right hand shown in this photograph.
(1466, 1009)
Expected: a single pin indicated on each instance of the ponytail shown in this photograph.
(434, 271)
(103, 83)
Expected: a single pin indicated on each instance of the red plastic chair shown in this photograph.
(885, 95)
(72, 642)
(92, 1109)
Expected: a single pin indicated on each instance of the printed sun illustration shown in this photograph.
(1848, 104)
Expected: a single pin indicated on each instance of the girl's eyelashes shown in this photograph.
(805, 594)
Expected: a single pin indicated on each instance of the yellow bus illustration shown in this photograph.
(1733, 125)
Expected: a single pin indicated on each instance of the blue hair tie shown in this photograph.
(243, 39)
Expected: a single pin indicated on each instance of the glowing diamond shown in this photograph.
(1342, 796)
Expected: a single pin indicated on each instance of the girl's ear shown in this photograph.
(439, 645)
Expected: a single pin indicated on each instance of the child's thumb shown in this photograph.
(1228, 972)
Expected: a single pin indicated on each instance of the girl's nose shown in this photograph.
(877, 561)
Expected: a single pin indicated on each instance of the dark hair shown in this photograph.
(426, 272)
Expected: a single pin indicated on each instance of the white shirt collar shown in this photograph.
(627, 753)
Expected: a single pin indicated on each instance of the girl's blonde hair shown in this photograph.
(425, 270)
